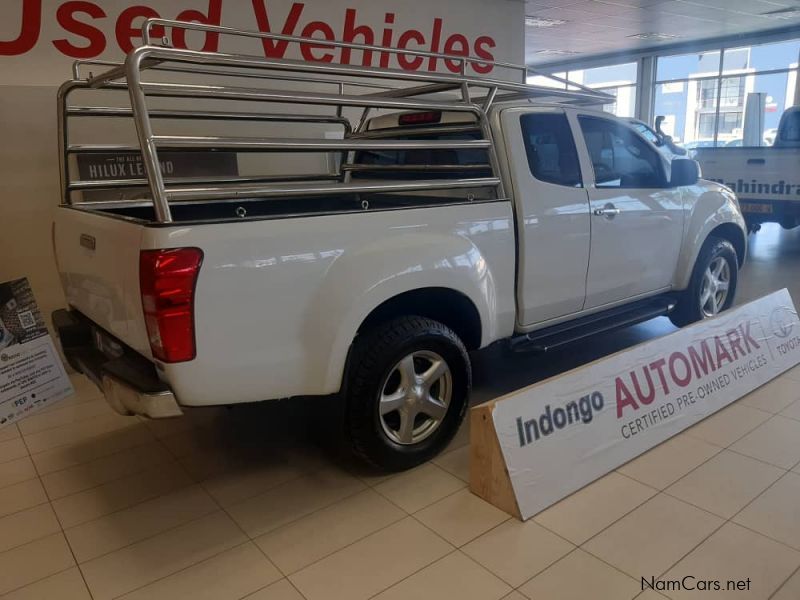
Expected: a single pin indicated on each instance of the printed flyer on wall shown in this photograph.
(32, 375)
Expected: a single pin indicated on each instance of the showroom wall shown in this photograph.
(39, 39)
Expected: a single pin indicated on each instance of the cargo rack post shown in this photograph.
(362, 87)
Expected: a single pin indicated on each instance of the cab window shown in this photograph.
(552, 156)
(620, 158)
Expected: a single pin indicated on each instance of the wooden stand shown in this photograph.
(488, 476)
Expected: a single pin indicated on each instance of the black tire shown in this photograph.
(373, 359)
(689, 308)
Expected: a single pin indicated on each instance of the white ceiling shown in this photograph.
(603, 26)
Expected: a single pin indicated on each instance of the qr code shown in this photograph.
(27, 320)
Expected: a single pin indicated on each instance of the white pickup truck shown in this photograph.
(467, 212)
(766, 179)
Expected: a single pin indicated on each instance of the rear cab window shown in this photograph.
(550, 148)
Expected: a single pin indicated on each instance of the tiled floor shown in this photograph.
(262, 503)
(221, 505)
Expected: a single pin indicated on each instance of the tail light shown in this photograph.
(167, 280)
(420, 118)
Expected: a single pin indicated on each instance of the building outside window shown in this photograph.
(706, 96)
(618, 81)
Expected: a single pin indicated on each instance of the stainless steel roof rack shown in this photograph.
(213, 76)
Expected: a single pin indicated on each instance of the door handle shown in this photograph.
(756, 161)
(608, 211)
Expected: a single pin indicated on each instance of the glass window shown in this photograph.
(766, 57)
(624, 74)
(475, 163)
(550, 147)
(621, 159)
(544, 81)
(686, 65)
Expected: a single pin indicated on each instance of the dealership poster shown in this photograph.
(564, 433)
(32, 375)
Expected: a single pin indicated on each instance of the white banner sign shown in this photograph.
(562, 434)
(39, 39)
(31, 373)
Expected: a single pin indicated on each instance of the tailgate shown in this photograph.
(754, 173)
(98, 259)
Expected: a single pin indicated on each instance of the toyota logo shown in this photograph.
(781, 322)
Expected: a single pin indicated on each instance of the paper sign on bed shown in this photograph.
(537, 445)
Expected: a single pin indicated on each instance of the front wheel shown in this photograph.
(406, 392)
(712, 287)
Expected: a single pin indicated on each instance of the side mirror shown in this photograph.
(684, 172)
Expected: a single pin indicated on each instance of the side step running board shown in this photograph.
(603, 322)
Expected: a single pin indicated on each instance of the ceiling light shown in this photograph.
(553, 52)
(653, 35)
(532, 21)
(783, 13)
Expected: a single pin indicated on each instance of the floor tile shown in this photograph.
(728, 425)
(66, 585)
(26, 526)
(20, 496)
(119, 529)
(9, 432)
(461, 517)
(34, 561)
(653, 537)
(372, 564)
(102, 470)
(119, 494)
(75, 433)
(226, 576)
(579, 576)
(243, 482)
(516, 551)
(454, 576)
(774, 396)
(777, 442)
(301, 543)
(82, 452)
(668, 462)
(12, 450)
(149, 560)
(593, 508)
(293, 500)
(280, 590)
(64, 415)
(420, 487)
(16, 471)
(732, 554)
(455, 462)
(790, 590)
(776, 512)
(726, 483)
(793, 410)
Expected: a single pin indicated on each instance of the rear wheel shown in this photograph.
(406, 391)
(713, 284)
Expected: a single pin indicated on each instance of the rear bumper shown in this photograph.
(129, 382)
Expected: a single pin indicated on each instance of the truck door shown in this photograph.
(637, 219)
(552, 214)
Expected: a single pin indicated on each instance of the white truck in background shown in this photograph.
(471, 211)
(765, 179)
